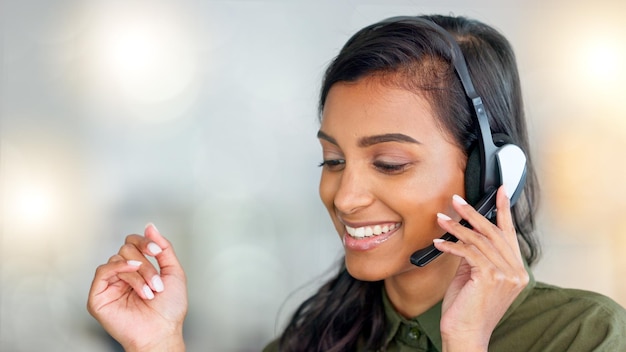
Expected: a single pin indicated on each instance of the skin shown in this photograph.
(386, 161)
(409, 181)
(362, 191)
(118, 301)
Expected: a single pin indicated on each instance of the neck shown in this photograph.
(416, 290)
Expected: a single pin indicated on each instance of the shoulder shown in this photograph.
(589, 305)
(554, 318)
(272, 346)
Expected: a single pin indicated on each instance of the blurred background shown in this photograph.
(200, 116)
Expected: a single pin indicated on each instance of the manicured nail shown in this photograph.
(133, 263)
(151, 224)
(443, 216)
(154, 248)
(438, 240)
(148, 292)
(458, 199)
(157, 283)
(506, 192)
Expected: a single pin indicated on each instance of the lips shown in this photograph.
(365, 238)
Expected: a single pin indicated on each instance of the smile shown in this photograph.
(370, 231)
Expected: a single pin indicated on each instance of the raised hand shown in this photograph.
(491, 275)
(139, 305)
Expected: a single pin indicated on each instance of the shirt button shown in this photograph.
(414, 333)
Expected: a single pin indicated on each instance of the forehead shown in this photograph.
(370, 104)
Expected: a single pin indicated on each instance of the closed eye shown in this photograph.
(389, 168)
(333, 164)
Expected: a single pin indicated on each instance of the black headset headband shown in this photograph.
(502, 164)
(489, 174)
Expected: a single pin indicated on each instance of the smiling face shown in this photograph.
(388, 169)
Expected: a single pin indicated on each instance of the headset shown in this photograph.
(493, 162)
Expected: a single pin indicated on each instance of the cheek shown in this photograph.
(423, 197)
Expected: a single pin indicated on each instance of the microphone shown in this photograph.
(486, 207)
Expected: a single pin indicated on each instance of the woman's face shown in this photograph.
(388, 169)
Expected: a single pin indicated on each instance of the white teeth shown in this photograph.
(369, 231)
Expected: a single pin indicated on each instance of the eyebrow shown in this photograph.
(371, 140)
(324, 136)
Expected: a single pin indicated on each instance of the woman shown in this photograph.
(400, 139)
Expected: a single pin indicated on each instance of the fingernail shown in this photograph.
(157, 283)
(148, 292)
(134, 262)
(154, 248)
(506, 191)
(438, 240)
(443, 216)
(458, 199)
(151, 224)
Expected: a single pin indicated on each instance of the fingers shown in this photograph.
(163, 251)
(106, 274)
(504, 219)
(130, 267)
(146, 279)
(486, 243)
(108, 285)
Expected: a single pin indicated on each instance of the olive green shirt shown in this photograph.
(542, 318)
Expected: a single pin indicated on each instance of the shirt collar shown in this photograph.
(427, 321)
(430, 319)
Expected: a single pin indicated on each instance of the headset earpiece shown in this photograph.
(492, 161)
(472, 175)
(473, 168)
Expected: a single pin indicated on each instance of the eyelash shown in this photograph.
(390, 168)
(332, 164)
(337, 164)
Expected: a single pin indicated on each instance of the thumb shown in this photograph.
(166, 257)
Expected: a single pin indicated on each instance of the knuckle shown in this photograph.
(483, 239)
(518, 281)
(101, 269)
(473, 249)
(498, 230)
(115, 258)
(477, 238)
(524, 279)
(90, 309)
(126, 249)
(495, 274)
(509, 228)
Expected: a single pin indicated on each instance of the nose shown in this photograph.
(353, 191)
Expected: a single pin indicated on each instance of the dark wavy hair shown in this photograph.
(347, 313)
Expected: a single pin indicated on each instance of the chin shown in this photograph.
(368, 270)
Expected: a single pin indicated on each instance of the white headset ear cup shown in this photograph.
(512, 166)
(473, 168)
